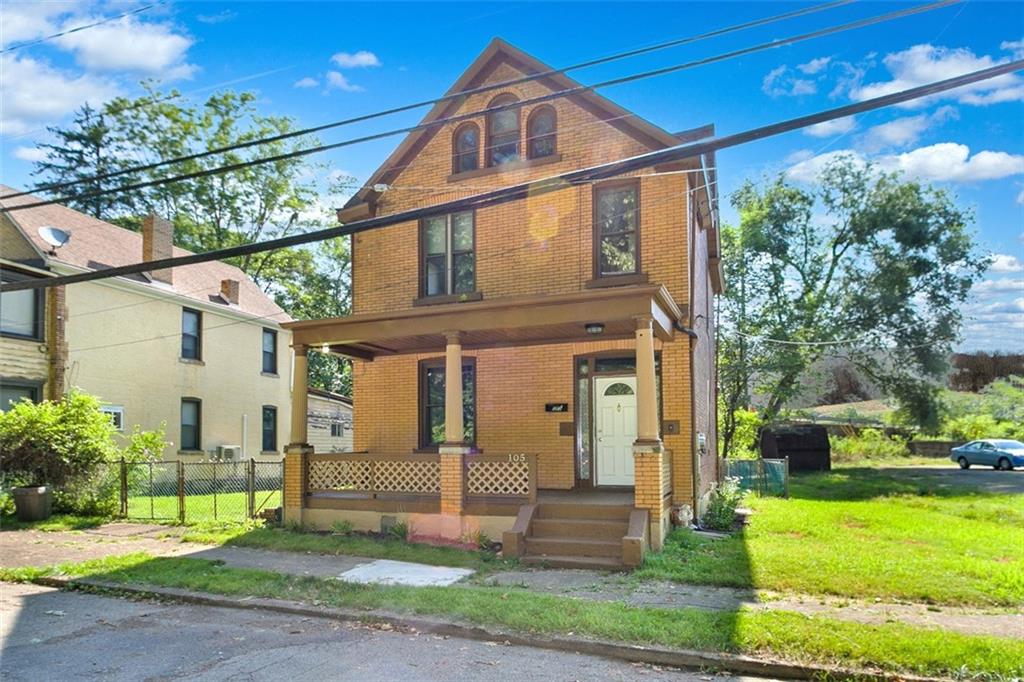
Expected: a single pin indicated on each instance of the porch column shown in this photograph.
(648, 472)
(298, 450)
(453, 451)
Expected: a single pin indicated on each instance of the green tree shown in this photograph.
(870, 259)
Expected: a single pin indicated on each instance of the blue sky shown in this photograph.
(321, 61)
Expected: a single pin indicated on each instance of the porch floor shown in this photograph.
(621, 498)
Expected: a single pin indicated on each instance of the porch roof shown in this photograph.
(507, 321)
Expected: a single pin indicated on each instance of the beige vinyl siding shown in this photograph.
(322, 413)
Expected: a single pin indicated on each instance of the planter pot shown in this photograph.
(33, 504)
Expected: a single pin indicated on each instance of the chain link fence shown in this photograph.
(199, 491)
(766, 477)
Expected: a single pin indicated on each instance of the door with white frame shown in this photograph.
(614, 429)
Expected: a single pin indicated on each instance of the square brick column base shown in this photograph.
(453, 485)
(295, 457)
(649, 486)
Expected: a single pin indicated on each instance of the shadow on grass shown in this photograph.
(867, 483)
(57, 522)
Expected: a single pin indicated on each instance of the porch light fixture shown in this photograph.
(594, 328)
(326, 348)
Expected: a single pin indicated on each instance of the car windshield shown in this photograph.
(1008, 444)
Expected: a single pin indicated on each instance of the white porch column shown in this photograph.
(646, 384)
(300, 396)
(453, 427)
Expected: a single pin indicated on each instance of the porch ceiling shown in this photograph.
(508, 321)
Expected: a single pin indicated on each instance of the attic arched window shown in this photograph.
(466, 148)
(502, 131)
(540, 132)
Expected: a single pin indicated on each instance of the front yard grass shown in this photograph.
(864, 534)
(792, 636)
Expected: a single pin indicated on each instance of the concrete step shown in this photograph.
(594, 512)
(561, 561)
(568, 546)
(587, 529)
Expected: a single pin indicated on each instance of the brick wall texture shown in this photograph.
(539, 245)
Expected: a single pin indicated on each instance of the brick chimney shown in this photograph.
(229, 290)
(158, 243)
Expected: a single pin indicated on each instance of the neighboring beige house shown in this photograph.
(329, 419)
(198, 349)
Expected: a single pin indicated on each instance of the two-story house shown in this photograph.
(540, 370)
(198, 350)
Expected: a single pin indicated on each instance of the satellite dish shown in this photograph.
(54, 236)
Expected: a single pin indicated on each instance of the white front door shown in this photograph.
(615, 429)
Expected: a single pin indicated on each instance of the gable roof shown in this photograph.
(96, 245)
(496, 53)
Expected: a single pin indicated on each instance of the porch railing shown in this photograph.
(501, 476)
(370, 475)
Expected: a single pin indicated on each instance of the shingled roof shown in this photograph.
(96, 244)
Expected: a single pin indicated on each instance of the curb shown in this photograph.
(676, 658)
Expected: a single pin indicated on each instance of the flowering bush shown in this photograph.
(721, 511)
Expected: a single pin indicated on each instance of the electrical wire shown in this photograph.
(138, 10)
(462, 94)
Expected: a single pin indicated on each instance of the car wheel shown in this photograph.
(1004, 464)
(964, 464)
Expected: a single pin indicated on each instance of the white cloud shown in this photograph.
(34, 93)
(130, 45)
(337, 81)
(779, 82)
(25, 21)
(306, 82)
(902, 132)
(837, 126)
(29, 153)
(1016, 47)
(943, 162)
(1020, 197)
(218, 18)
(1005, 262)
(362, 58)
(814, 66)
(922, 64)
(1007, 285)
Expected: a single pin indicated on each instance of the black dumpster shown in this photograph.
(806, 446)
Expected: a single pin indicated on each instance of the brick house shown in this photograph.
(540, 370)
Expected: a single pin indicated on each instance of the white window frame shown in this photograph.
(116, 413)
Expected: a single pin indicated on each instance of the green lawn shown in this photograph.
(223, 506)
(865, 534)
(792, 636)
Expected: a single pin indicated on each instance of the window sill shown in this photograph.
(192, 453)
(22, 337)
(616, 281)
(434, 450)
(443, 300)
(272, 375)
(269, 452)
(511, 166)
(191, 361)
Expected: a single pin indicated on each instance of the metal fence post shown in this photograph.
(181, 491)
(251, 484)
(761, 487)
(124, 488)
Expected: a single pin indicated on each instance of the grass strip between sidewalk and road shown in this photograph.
(791, 636)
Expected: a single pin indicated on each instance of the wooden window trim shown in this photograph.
(424, 442)
(489, 144)
(36, 386)
(468, 297)
(456, 154)
(39, 326)
(447, 297)
(263, 444)
(553, 134)
(199, 334)
(596, 230)
(521, 164)
(199, 424)
(263, 368)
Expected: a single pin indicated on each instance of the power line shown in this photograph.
(861, 23)
(536, 187)
(138, 10)
(462, 94)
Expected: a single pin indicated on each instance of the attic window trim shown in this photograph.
(504, 168)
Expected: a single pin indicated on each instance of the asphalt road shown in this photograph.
(46, 634)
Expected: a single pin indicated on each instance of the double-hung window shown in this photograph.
(191, 334)
(21, 312)
(191, 424)
(448, 266)
(269, 351)
(269, 428)
(616, 229)
(432, 380)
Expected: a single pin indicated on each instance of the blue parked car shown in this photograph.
(999, 454)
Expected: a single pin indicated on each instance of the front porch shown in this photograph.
(460, 484)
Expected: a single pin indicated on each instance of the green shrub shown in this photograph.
(721, 511)
(868, 444)
(399, 531)
(69, 444)
(341, 527)
(973, 427)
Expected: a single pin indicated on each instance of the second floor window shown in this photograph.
(466, 148)
(269, 428)
(502, 132)
(616, 228)
(191, 417)
(448, 255)
(269, 351)
(540, 133)
(21, 312)
(191, 334)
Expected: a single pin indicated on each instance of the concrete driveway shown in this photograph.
(949, 474)
(46, 634)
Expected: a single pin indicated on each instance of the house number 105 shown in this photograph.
(517, 459)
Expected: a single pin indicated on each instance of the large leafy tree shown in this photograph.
(255, 203)
(865, 265)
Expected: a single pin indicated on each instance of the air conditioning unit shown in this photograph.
(229, 452)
